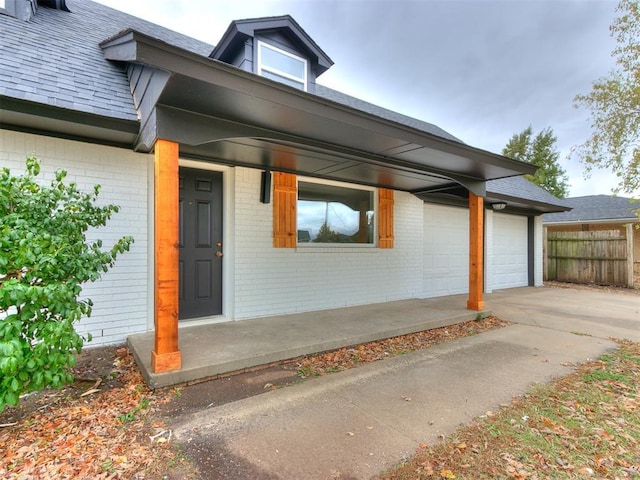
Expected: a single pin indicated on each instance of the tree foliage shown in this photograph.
(614, 104)
(44, 260)
(540, 151)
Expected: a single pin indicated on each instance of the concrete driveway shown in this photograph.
(584, 311)
(357, 423)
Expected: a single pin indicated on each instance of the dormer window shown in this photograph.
(282, 66)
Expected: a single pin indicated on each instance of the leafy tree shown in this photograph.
(614, 103)
(326, 235)
(541, 151)
(44, 259)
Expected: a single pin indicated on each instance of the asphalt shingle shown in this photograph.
(55, 58)
(595, 207)
(40, 64)
(520, 187)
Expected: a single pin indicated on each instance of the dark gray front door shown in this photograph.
(200, 243)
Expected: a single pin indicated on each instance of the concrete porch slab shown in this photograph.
(216, 349)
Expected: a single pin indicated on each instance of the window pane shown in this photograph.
(285, 80)
(331, 214)
(284, 63)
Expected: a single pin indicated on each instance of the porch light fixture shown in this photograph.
(499, 205)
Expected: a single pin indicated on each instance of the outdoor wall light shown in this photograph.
(499, 205)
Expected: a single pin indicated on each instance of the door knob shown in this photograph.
(218, 253)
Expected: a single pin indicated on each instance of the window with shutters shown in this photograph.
(333, 213)
(310, 212)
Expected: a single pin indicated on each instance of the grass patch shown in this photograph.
(585, 425)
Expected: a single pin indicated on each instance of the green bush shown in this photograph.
(44, 260)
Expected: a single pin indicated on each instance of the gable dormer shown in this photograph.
(276, 48)
(26, 9)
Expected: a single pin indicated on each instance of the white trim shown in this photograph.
(538, 251)
(594, 222)
(353, 186)
(228, 242)
(280, 73)
(489, 270)
(151, 243)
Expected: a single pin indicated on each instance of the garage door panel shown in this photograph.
(446, 250)
(510, 252)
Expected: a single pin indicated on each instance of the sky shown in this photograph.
(480, 69)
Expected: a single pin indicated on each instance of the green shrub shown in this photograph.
(44, 260)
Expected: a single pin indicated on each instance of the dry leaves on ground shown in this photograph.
(585, 425)
(111, 433)
(349, 357)
(102, 435)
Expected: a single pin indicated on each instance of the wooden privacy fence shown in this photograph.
(600, 257)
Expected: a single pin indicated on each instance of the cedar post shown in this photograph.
(166, 356)
(476, 252)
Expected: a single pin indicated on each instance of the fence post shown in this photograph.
(629, 255)
(545, 253)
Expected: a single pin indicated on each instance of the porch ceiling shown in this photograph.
(220, 113)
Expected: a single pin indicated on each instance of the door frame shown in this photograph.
(228, 243)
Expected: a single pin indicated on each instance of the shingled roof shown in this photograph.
(40, 65)
(521, 188)
(55, 58)
(595, 208)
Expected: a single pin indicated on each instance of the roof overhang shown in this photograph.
(522, 205)
(39, 118)
(220, 113)
(514, 205)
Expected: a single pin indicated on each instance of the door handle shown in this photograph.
(218, 254)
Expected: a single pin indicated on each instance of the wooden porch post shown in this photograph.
(166, 356)
(476, 252)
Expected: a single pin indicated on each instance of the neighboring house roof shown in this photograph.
(595, 208)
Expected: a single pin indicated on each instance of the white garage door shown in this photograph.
(446, 250)
(510, 252)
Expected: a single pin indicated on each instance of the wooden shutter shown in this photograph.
(385, 218)
(285, 198)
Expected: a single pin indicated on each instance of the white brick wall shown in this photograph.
(120, 297)
(272, 281)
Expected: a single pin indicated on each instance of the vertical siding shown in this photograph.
(272, 281)
(120, 297)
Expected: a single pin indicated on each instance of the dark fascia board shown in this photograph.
(68, 115)
(133, 46)
(248, 28)
(231, 35)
